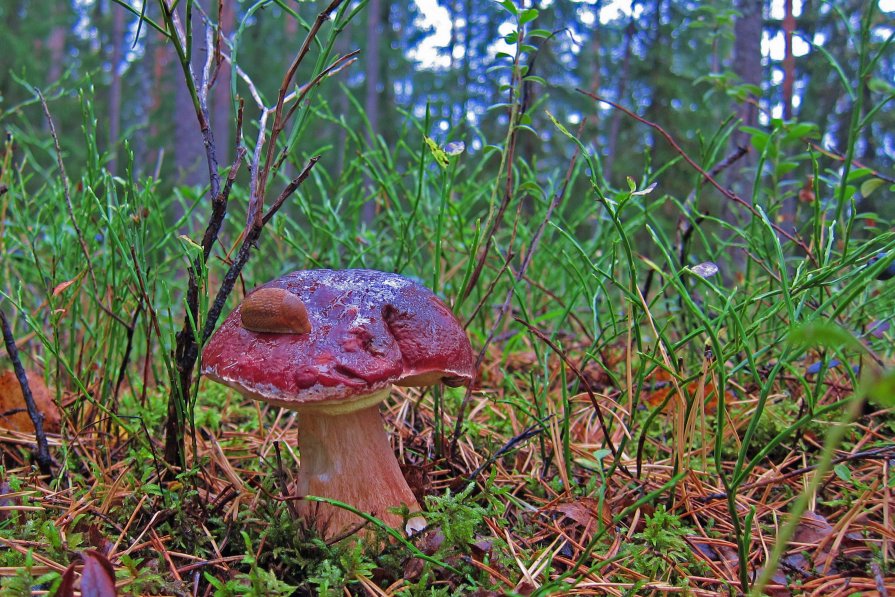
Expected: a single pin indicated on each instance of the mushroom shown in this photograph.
(329, 345)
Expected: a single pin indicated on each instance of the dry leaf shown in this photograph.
(63, 285)
(98, 576)
(14, 412)
(811, 551)
(67, 586)
(585, 511)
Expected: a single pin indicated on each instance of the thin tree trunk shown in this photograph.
(220, 110)
(341, 107)
(371, 94)
(115, 87)
(465, 62)
(747, 65)
(620, 90)
(189, 152)
(56, 46)
(789, 61)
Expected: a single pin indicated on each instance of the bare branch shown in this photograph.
(44, 460)
(290, 189)
(67, 190)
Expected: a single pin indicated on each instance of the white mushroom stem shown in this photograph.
(346, 456)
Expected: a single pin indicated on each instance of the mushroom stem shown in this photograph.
(347, 457)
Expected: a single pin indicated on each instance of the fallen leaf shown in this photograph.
(14, 412)
(67, 586)
(98, 576)
(811, 551)
(6, 502)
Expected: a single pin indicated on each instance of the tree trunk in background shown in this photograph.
(789, 61)
(221, 121)
(189, 151)
(620, 90)
(747, 65)
(56, 46)
(143, 69)
(116, 42)
(371, 93)
(162, 55)
(341, 107)
(465, 63)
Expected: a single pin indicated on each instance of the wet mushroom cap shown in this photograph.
(367, 330)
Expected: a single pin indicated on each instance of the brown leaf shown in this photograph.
(14, 413)
(585, 511)
(98, 576)
(98, 540)
(5, 501)
(59, 288)
(811, 551)
(806, 193)
(67, 586)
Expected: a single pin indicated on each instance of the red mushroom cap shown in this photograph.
(368, 330)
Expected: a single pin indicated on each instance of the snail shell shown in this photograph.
(275, 310)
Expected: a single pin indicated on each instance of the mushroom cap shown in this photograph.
(369, 329)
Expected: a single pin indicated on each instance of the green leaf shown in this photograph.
(881, 390)
(801, 130)
(823, 333)
(870, 185)
(881, 86)
(512, 37)
(785, 167)
(509, 7)
(842, 471)
(538, 33)
(858, 173)
(528, 15)
(440, 156)
(535, 79)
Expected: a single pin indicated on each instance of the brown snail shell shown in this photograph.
(275, 310)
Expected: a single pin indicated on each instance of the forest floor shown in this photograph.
(517, 510)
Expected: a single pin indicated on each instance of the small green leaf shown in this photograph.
(785, 167)
(510, 7)
(842, 471)
(511, 37)
(881, 390)
(824, 333)
(538, 33)
(858, 173)
(870, 185)
(440, 156)
(881, 86)
(801, 130)
(528, 15)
